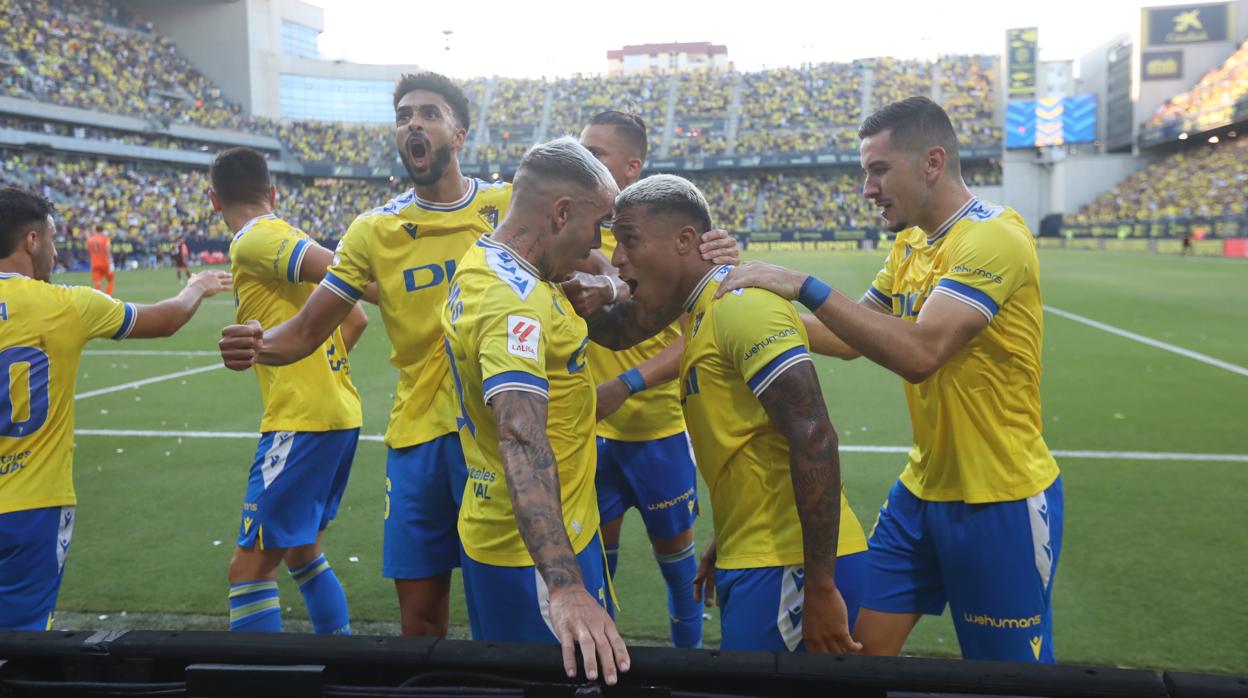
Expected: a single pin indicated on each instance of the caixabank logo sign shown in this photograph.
(1187, 24)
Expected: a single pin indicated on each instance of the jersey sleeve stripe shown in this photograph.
(878, 297)
(514, 380)
(971, 296)
(127, 321)
(775, 367)
(296, 261)
(343, 289)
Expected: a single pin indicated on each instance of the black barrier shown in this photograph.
(239, 665)
(1211, 227)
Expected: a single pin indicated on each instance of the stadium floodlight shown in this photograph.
(1213, 139)
(1183, 136)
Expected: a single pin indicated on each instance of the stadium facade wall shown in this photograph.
(238, 45)
(1036, 185)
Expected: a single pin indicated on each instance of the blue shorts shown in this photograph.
(424, 487)
(658, 477)
(295, 486)
(761, 608)
(992, 563)
(510, 604)
(33, 545)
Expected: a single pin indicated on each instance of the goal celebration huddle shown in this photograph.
(570, 345)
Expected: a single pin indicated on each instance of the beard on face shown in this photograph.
(437, 167)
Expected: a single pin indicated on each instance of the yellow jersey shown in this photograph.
(977, 428)
(314, 393)
(734, 349)
(506, 329)
(410, 248)
(45, 328)
(653, 413)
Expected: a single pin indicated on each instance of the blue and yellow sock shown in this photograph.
(613, 558)
(678, 570)
(323, 595)
(254, 607)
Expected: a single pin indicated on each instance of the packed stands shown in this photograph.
(146, 200)
(808, 109)
(967, 93)
(1212, 101)
(1205, 181)
(346, 144)
(106, 61)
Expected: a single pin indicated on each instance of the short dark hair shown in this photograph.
(665, 194)
(439, 84)
(630, 126)
(19, 210)
(240, 176)
(916, 123)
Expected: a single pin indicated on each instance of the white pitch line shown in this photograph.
(1203, 358)
(146, 352)
(146, 381)
(378, 438)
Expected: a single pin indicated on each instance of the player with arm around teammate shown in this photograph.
(975, 520)
(760, 430)
(311, 419)
(43, 330)
(534, 567)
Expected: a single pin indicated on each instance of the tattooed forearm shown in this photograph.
(795, 405)
(533, 484)
(621, 325)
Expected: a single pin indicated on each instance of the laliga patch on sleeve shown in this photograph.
(522, 336)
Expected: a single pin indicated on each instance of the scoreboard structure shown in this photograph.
(1050, 121)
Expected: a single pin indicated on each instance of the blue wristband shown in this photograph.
(632, 378)
(814, 292)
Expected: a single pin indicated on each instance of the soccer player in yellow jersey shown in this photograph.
(644, 457)
(311, 419)
(760, 431)
(975, 520)
(534, 567)
(43, 329)
(409, 249)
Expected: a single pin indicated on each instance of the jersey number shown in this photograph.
(36, 387)
(462, 420)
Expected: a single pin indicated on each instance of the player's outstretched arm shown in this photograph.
(317, 260)
(533, 484)
(165, 318)
(795, 405)
(912, 350)
(656, 370)
(824, 341)
(353, 327)
(244, 345)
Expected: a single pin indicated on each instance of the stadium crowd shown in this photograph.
(1201, 181)
(1213, 99)
(95, 56)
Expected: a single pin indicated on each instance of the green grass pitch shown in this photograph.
(1155, 560)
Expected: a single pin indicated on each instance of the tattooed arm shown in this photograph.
(621, 325)
(533, 484)
(795, 405)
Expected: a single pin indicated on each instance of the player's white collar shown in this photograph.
(12, 275)
(451, 206)
(944, 227)
(489, 241)
(719, 270)
(251, 223)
